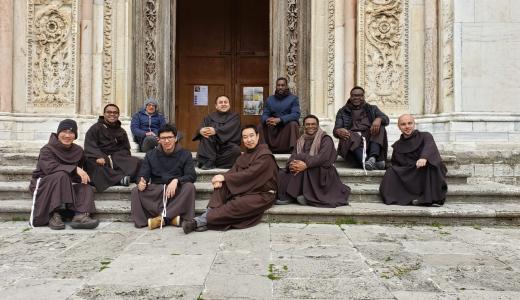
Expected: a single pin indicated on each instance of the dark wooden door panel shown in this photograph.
(222, 44)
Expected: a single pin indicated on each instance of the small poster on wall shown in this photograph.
(253, 97)
(200, 95)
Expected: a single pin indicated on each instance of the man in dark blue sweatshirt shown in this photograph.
(145, 125)
(280, 128)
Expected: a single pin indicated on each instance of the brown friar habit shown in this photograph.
(60, 186)
(223, 148)
(403, 182)
(109, 141)
(161, 168)
(319, 184)
(248, 190)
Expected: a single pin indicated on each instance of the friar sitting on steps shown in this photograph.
(417, 175)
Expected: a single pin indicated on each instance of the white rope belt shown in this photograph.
(164, 201)
(34, 202)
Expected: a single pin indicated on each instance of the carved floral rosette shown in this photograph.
(383, 52)
(52, 54)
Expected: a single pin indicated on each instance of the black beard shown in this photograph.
(282, 93)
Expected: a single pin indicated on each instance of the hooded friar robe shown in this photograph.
(319, 184)
(59, 186)
(160, 168)
(223, 148)
(109, 141)
(248, 190)
(404, 182)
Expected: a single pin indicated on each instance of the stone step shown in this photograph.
(366, 213)
(30, 158)
(348, 175)
(362, 193)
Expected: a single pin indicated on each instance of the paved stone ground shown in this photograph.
(269, 261)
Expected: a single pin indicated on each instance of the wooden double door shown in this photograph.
(222, 48)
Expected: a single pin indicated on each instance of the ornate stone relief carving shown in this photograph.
(52, 49)
(330, 53)
(447, 84)
(383, 52)
(150, 48)
(292, 48)
(107, 51)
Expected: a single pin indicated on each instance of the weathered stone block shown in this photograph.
(500, 170)
(464, 11)
(478, 136)
(479, 126)
(499, 126)
(5, 135)
(461, 126)
(492, 11)
(483, 170)
(517, 170)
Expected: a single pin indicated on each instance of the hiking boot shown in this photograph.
(55, 223)
(125, 181)
(156, 222)
(380, 165)
(189, 226)
(176, 221)
(370, 164)
(83, 221)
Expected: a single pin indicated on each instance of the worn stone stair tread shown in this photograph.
(342, 171)
(488, 188)
(279, 157)
(488, 210)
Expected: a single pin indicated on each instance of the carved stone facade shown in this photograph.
(382, 53)
(52, 55)
(292, 47)
(446, 90)
(107, 52)
(331, 44)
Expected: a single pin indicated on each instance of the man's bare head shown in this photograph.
(406, 124)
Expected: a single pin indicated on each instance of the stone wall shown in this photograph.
(487, 64)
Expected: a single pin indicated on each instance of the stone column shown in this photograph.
(85, 81)
(350, 49)
(6, 55)
(430, 57)
(446, 57)
(97, 56)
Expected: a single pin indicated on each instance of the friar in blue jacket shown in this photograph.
(145, 125)
(280, 128)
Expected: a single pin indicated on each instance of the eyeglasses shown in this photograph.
(166, 138)
(111, 112)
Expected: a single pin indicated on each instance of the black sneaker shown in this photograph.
(370, 164)
(189, 226)
(125, 181)
(208, 166)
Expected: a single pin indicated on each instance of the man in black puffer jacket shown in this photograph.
(360, 128)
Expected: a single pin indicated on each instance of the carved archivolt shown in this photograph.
(150, 48)
(52, 47)
(292, 49)
(330, 51)
(107, 51)
(383, 51)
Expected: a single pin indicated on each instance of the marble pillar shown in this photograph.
(430, 57)
(6, 55)
(350, 49)
(85, 82)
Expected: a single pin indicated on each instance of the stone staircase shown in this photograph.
(471, 204)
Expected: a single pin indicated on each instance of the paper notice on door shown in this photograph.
(253, 97)
(200, 95)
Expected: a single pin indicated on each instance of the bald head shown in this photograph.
(406, 124)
